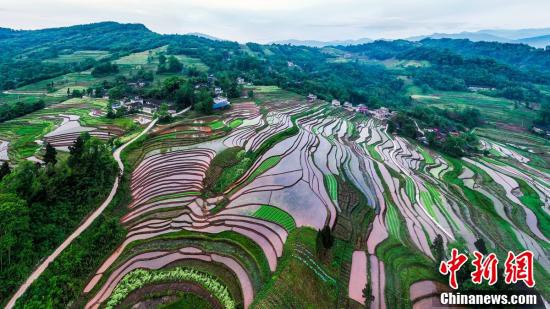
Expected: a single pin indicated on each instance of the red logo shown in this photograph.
(485, 268)
(452, 266)
(519, 268)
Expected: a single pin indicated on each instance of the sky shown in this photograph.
(267, 20)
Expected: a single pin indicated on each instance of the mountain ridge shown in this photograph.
(319, 43)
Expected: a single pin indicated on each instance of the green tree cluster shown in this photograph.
(39, 206)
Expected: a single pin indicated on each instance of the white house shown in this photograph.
(348, 106)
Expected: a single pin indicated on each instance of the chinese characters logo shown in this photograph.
(516, 268)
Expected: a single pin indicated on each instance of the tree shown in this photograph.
(543, 117)
(77, 149)
(76, 93)
(162, 59)
(367, 294)
(204, 102)
(50, 155)
(184, 96)
(116, 93)
(174, 65)
(438, 248)
(4, 170)
(14, 228)
(110, 113)
(325, 236)
(104, 69)
(250, 94)
(162, 113)
(480, 245)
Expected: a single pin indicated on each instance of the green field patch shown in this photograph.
(69, 80)
(491, 160)
(393, 222)
(235, 123)
(139, 278)
(173, 195)
(531, 200)
(192, 62)
(428, 159)
(332, 186)
(493, 109)
(410, 189)
(436, 197)
(276, 215)
(266, 89)
(373, 153)
(350, 128)
(295, 283)
(79, 56)
(428, 203)
(216, 125)
(404, 266)
(264, 166)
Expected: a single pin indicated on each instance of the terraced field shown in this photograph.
(59, 124)
(226, 207)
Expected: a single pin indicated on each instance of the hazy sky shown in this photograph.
(267, 20)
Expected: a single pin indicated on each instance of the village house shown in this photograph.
(240, 81)
(362, 108)
(336, 103)
(218, 91)
(348, 106)
(382, 113)
(311, 98)
(147, 106)
(220, 102)
(139, 84)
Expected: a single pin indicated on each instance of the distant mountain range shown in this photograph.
(535, 37)
(538, 38)
(206, 36)
(314, 43)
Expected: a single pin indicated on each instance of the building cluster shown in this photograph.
(382, 113)
(150, 106)
(542, 131)
(440, 134)
(139, 104)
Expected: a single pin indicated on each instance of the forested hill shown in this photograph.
(345, 73)
(23, 51)
(106, 36)
(520, 56)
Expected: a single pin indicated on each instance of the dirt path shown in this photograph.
(42, 267)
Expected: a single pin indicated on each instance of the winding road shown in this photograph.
(42, 267)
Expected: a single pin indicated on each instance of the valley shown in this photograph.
(279, 196)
